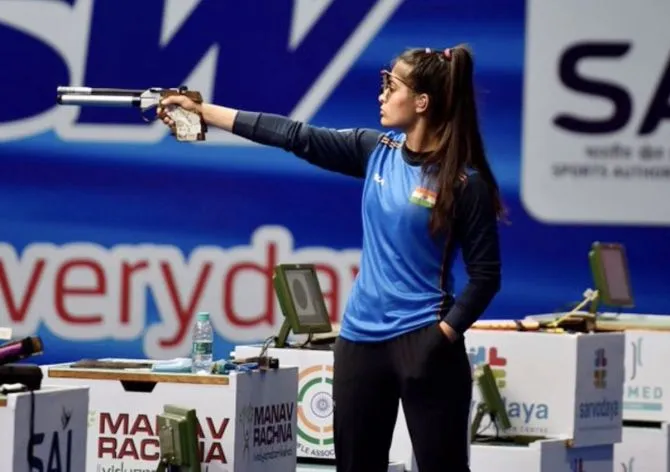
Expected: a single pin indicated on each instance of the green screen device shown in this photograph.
(178, 438)
(491, 404)
(609, 268)
(301, 301)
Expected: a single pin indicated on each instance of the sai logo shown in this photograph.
(315, 406)
(600, 369)
(51, 451)
(481, 354)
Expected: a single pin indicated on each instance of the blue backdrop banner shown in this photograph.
(114, 235)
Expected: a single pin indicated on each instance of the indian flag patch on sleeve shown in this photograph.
(424, 197)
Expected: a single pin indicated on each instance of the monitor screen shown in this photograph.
(307, 298)
(615, 273)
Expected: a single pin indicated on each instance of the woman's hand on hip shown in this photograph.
(448, 331)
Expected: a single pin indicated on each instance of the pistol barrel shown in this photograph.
(99, 100)
(96, 91)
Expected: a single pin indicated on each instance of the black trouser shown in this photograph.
(432, 377)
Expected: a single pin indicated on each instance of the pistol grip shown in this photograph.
(188, 125)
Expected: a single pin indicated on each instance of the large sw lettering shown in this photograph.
(59, 452)
(254, 67)
(657, 110)
(253, 54)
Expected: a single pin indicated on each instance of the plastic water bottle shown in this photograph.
(203, 338)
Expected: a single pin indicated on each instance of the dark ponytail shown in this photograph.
(448, 79)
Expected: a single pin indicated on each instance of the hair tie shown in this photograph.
(428, 51)
(447, 54)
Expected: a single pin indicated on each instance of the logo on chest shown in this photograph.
(423, 197)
